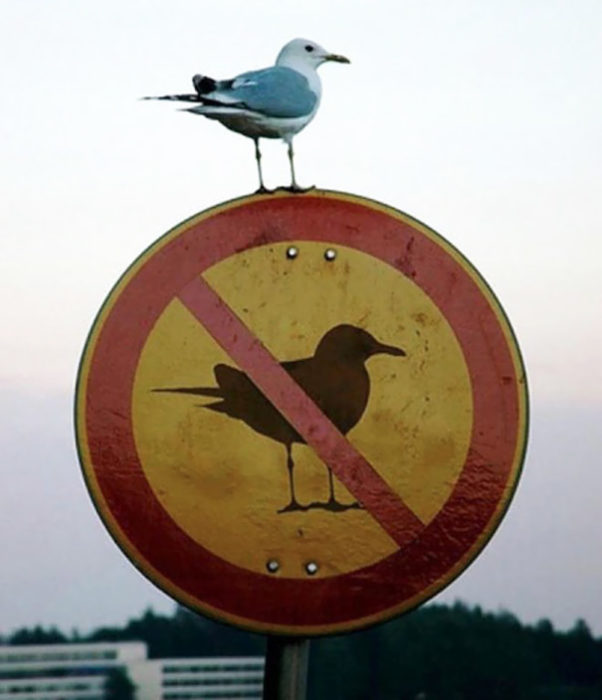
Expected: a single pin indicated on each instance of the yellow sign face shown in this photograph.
(224, 483)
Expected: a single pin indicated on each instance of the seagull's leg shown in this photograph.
(291, 155)
(291, 159)
(262, 187)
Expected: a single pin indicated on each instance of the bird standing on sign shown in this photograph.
(272, 103)
(335, 377)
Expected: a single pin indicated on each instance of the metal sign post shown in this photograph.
(286, 665)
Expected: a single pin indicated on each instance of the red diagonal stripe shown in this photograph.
(286, 395)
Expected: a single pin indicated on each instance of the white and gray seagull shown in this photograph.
(272, 103)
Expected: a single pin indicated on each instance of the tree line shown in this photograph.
(437, 652)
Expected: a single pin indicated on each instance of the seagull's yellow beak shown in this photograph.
(336, 57)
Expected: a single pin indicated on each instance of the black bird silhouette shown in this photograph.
(335, 378)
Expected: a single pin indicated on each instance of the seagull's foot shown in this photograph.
(297, 189)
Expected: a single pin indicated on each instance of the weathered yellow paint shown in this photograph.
(223, 484)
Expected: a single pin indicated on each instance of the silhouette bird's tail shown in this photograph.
(195, 390)
(220, 406)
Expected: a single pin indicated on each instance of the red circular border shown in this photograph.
(263, 601)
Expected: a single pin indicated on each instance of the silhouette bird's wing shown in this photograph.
(242, 399)
(339, 389)
(237, 391)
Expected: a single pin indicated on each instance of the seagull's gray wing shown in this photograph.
(275, 92)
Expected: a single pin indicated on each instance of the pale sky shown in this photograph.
(481, 119)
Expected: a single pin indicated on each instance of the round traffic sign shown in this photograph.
(301, 414)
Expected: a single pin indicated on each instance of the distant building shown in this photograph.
(79, 672)
(183, 679)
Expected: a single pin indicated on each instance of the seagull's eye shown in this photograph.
(309, 48)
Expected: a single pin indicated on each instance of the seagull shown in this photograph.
(271, 103)
(335, 377)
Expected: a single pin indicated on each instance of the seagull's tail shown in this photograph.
(176, 98)
(203, 85)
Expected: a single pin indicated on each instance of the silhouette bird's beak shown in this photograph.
(380, 348)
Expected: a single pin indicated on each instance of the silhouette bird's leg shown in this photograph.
(262, 187)
(331, 498)
(290, 465)
(332, 504)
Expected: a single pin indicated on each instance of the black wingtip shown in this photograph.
(203, 84)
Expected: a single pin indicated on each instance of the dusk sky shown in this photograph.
(482, 119)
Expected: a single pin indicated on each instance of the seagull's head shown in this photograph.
(304, 53)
